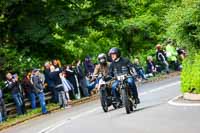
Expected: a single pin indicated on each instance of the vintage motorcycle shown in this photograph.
(106, 97)
(126, 94)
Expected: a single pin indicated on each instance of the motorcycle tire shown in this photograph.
(103, 101)
(126, 101)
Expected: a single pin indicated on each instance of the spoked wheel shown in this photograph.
(126, 101)
(103, 100)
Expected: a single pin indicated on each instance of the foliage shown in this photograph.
(66, 29)
(17, 62)
(190, 75)
(184, 23)
(33, 31)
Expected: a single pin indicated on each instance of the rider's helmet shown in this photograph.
(102, 58)
(114, 51)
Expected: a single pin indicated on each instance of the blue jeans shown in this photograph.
(131, 83)
(32, 98)
(83, 84)
(141, 73)
(17, 97)
(1, 117)
(42, 102)
(3, 112)
(92, 85)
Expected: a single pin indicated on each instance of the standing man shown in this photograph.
(172, 54)
(50, 83)
(161, 57)
(89, 66)
(39, 89)
(13, 85)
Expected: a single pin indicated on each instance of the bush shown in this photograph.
(183, 23)
(190, 76)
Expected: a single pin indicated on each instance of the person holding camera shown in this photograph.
(13, 85)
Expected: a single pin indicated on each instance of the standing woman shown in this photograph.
(29, 89)
(55, 76)
(70, 75)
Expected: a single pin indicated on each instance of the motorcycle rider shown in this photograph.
(101, 68)
(120, 66)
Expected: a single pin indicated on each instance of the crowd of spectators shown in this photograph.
(68, 82)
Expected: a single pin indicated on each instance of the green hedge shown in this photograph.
(190, 76)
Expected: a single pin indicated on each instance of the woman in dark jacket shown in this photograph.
(55, 77)
(29, 89)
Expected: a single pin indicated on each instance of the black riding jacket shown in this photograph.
(120, 67)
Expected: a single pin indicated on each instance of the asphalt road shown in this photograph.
(153, 115)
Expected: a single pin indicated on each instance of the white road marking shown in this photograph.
(159, 88)
(54, 126)
(60, 123)
(143, 93)
(171, 102)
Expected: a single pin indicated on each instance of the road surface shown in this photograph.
(153, 115)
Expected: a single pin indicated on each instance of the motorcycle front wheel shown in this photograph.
(103, 100)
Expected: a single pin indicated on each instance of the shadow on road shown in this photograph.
(147, 107)
(137, 109)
